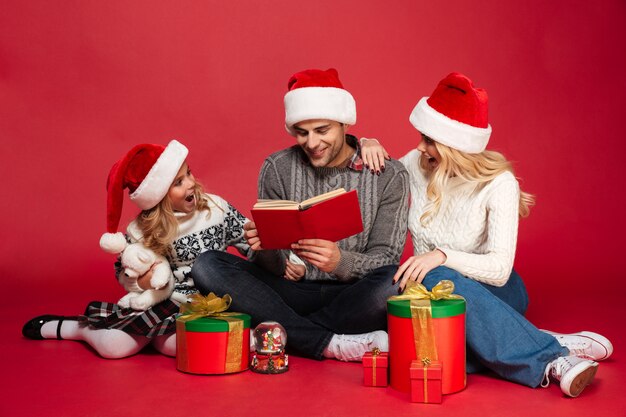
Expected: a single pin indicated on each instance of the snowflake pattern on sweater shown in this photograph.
(198, 232)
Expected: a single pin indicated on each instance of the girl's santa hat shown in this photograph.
(148, 172)
(317, 94)
(455, 115)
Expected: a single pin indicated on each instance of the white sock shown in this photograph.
(165, 344)
(69, 330)
(109, 343)
(113, 343)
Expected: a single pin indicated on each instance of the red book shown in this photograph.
(331, 216)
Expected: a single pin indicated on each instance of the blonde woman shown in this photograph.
(465, 206)
(177, 220)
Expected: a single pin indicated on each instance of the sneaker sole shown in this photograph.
(583, 373)
(594, 337)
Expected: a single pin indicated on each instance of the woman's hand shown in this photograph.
(294, 272)
(323, 254)
(416, 267)
(373, 155)
(252, 236)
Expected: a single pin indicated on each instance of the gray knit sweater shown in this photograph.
(287, 175)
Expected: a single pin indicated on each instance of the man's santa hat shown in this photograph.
(317, 94)
(455, 115)
(148, 172)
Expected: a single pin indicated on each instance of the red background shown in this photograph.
(81, 82)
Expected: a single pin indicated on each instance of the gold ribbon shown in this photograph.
(214, 307)
(416, 291)
(421, 318)
(375, 353)
(425, 362)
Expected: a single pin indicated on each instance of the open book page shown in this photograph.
(276, 204)
(322, 197)
(293, 205)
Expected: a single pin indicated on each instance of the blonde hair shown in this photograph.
(480, 168)
(159, 225)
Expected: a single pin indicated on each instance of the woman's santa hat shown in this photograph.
(148, 172)
(455, 115)
(317, 94)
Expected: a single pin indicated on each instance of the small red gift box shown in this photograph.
(425, 382)
(375, 365)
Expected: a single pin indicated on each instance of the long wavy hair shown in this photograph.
(159, 225)
(480, 168)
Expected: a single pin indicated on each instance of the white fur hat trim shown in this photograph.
(329, 103)
(452, 133)
(158, 181)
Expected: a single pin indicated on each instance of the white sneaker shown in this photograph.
(573, 373)
(586, 345)
(352, 347)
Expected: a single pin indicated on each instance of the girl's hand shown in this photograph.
(416, 267)
(144, 281)
(252, 236)
(294, 272)
(373, 155)
(323, 254)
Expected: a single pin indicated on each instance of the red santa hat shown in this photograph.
(455, 115)
(148, 172)
(317, 94)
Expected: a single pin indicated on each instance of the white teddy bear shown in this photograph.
(137, 260)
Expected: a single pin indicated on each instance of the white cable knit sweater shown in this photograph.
(475, 228)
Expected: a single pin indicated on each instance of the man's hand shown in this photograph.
(416, 267)
(323, 254)
(252, 236)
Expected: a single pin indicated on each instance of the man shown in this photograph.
(331, 297)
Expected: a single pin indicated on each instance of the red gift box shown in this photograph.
(448, 320)
(208, 345)
(375, 366)
(426, 382)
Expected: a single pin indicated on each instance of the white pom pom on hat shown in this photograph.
(113, 242)
(148, 171)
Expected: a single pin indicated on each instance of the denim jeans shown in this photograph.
(498, 336)
(310, 311)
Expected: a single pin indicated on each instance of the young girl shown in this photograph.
(465, 205)
(179, 221)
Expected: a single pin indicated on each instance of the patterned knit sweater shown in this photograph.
(198, 232)
(475, 227)
(287, 175)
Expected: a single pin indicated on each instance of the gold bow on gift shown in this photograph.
(212, 306)
(416, 291)
(201, 306)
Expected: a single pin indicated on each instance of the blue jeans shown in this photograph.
(310, 311)
(498, 336)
